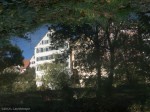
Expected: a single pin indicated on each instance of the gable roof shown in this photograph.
(26, 63)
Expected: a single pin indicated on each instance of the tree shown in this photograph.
(97, 14)
(55, 76)
(18, 17)
(25, 82)
(9, 55)
(108, 41)
(6, 81)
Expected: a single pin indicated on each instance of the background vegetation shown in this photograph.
(124, 56)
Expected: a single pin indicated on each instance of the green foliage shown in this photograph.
(90, 81)
(6, 81)
(135, 108)
(18, 17)
(132, 60)
(9, 55)
(13, 82)
(130, 54)
(56, 76)
(25, 82)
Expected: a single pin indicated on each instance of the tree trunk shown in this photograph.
(98, 63)
(111, 67)
(111, 74)
(71, 60)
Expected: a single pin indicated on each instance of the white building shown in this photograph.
(45, 52)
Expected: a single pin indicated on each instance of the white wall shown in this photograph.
(38, 61)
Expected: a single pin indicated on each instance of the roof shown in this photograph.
(26, 63)
(42, 39)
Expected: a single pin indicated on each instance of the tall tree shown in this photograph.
(96, 13)
(18, 17)
(9, 55)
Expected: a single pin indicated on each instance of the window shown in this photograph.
(49, 57)
(46, 41)
(37, 50)
(47, 49)
(37, 59)
(41, 49)
(46, 57)
(41, 58)
(49, 35)
(44, 49)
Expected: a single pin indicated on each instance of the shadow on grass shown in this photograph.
(124, 99)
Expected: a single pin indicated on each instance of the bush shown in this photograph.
(6, 82)
(12, 82)
(25, 82)
(56, 76)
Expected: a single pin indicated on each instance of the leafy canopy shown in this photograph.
(20, 16)
(55, 75)
(10, 55)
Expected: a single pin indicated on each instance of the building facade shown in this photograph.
(45, 52)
